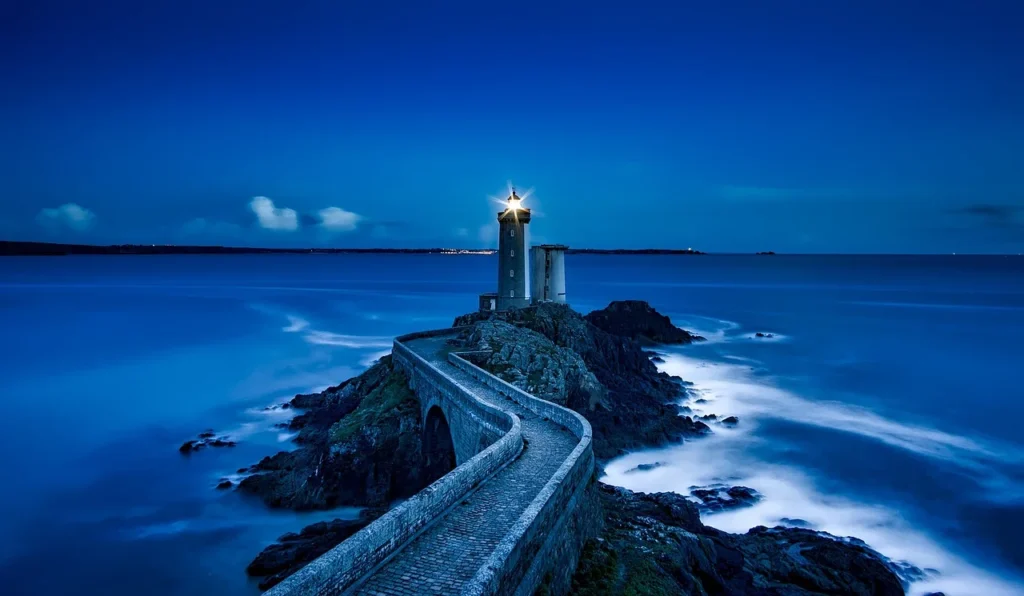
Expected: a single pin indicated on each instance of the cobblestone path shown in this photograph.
(449, 552)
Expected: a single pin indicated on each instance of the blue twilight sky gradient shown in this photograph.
(727, 126)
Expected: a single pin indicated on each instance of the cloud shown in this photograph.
(274, 218)
(462, 232)
(337, 219)
(1002, 222)
(71, 215)
(999, 216)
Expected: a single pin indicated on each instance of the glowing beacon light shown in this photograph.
(512, 275)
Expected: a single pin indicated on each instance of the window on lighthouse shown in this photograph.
(511, 293)
(511, 272)
(512, 253)
(512, 232)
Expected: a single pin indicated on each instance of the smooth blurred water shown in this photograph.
(889, 405)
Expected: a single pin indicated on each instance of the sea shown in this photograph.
(886, 404)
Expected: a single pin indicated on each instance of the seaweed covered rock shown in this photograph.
(360, 445)
(656, 544)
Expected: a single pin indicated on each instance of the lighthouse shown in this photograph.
(512, 275)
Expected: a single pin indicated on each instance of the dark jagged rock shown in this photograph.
(225, 484)
(656, 544)
(722, 498)
(655, 357)
(359, 445)
(731, 421)
(764, 335)
(291, 551)
(796, 522)
(637, 320)
(206, 439)
(646, 467)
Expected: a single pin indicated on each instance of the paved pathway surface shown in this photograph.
(449, 552)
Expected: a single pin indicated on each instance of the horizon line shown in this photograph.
(62, 248)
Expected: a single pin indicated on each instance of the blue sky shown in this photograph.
(734, 126)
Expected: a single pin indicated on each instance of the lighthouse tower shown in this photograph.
(512, 254)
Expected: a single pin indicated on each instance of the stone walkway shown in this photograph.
(449, 553)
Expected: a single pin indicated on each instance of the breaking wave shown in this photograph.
(733, 456)
(327, 338)
(295, 324)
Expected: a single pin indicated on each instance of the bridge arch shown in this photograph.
(483, 414)
(438, 446)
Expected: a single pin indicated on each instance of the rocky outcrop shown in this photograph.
(637, 320)
(359, 445)
(533, 363)
(634, 405)
(207, 438)
(656, 544)
(720, 497)
(292, 551)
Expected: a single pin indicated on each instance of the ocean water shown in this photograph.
(887, 406)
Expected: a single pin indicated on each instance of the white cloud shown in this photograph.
(71, 215)
(274, 218)
(337, 219)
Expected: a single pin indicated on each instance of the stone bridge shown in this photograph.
(497, 523)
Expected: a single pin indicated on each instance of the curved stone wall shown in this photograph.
(519, 563)
(486, 438)
(474, 424)
(346, 563)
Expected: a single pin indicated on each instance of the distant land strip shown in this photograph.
(15, 248)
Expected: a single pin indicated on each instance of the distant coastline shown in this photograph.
(14, 248)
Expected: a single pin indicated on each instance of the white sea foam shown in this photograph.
(711, 329)
(371, 359)
(295, 324)
(327, 338)
(790, 494)
(730, 456)
(735, 390)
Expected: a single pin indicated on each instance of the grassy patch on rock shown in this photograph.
(382, 408)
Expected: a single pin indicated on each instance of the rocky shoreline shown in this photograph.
(359, 445)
